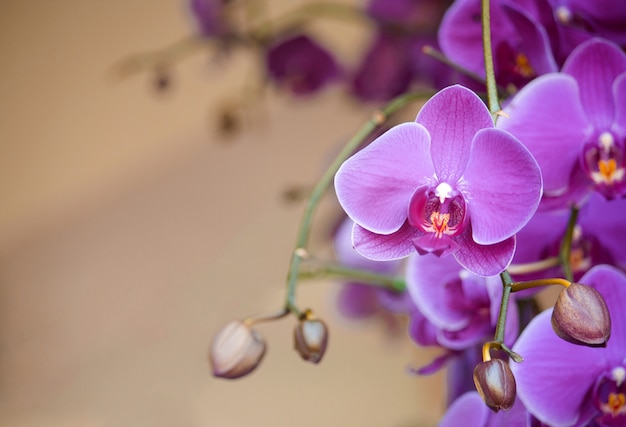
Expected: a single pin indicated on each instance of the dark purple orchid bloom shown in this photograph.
(301, 65)
(598, 238)
(385, 70)
(463, 307)
(563, 384)
(469, 410)
(394, 60)
(448, 183)
(604, 18)
(574, 123)
(210, 17)
(521, 42)
(359, 300)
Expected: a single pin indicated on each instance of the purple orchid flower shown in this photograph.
(394, 60)
(358, 300)
(469, 410)
(604, 18)
(301, 65)
(570, 385)
(594, 241)
(448, 183)
(574, 123)
(463, 307)
(385, 70)
(522, 43)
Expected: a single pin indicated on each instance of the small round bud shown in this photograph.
(495, 384)
(311, 338)
(581, 316)
(236, 351)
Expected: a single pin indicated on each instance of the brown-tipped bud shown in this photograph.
(311, 338)
(236, 351)
(581, 316)
(495, 384)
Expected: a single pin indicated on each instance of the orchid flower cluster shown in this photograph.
(512, 177)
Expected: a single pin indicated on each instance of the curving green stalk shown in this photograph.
(300, 252)
(492, 89)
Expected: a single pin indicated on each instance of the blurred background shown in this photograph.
(132, 229)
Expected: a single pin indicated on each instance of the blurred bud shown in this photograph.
(581, 316)
(236, 351)
(311, 338)
(495, 384)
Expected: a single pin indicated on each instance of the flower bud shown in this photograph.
(495, 384)
(581, 316)
(236, 351)
(310, 338)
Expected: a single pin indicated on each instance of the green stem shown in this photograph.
(566, 245)
(492, 89)
(504, 305)
(324, 270)
(300, 252)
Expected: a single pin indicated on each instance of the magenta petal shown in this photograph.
(555, 375)
(595, 65)
(428, 280)
(619, 97)
(534, 40)
(502, 186)
(452, 117)
(375, 185)
(348, 256)
(469, 410)
(555, 143)
(605, 220)
(484, 260)
(384, 247)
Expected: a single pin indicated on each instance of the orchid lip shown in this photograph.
(603, 162)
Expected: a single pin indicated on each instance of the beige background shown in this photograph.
(130, 232)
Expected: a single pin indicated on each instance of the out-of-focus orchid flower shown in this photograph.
(301, 65)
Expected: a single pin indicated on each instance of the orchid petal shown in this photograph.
(348, 256)
(619, 97)
(474, 333)
(385, 247)
(534, 40)
(605, 220)
(595, 65)
(375, 185)
(540, 378)
(542, 231)
(460, 35)
(431, 284)
(540, 382)
(484, 260)
(548, 118)
(452, 117)
(468, 410)
(502, 186)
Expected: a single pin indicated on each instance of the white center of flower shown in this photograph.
(606, 140)
(443, 191)
(563, 14)
(619, 375)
